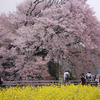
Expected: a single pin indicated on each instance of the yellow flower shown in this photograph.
(53, 92)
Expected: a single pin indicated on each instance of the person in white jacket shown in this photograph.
(66, 76)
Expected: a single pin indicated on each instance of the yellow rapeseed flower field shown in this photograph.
(53, 92)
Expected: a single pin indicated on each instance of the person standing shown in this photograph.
(83, 79)
(96, 80)
(88, 78)
(66, 76)
(1, 80)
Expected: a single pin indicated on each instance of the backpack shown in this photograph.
(68, 76)
(83, 79)
(88, 77)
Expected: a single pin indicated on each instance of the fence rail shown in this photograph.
(42, 82)
(37, 82)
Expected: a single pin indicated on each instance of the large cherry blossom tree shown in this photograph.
(65, 32)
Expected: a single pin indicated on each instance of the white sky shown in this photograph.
(95, 4)
(10, 5)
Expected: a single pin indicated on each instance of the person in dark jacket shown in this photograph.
(83, 79)
(1, 80)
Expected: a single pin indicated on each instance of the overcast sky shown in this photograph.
(10, 5)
